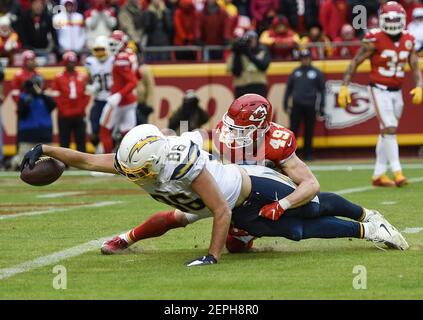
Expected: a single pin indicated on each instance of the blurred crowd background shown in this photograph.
(196, 30)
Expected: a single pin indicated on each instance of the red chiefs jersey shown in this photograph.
(278, 146)
(124, 78)
(72, 99)
(389, 59)
(21, 76)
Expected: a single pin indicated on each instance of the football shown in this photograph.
(46, 171)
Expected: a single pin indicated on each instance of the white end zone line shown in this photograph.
(54, 210)
(60, 194)
(95, 244)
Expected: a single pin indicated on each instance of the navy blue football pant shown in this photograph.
(312, 220)
(95, 115)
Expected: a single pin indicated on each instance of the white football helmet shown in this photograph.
(392, 18)
(142, 152)
(101, 48)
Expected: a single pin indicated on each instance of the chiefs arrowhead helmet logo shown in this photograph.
(259, 114)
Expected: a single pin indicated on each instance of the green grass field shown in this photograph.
(277, 268)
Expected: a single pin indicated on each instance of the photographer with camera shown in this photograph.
(34, 118)
(248, 63)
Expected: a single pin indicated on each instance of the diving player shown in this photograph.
(175, 171)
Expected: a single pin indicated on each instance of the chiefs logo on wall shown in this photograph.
(360, 110)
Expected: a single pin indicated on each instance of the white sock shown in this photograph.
(381, 165)
(368, 229)
(125, 237)
(392, 151)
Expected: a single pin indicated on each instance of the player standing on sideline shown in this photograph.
(120, 109)
(68, 88)
(389, 48)
(99, 66)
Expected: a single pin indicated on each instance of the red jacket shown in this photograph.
(260, 8)
(345, 51)
(124, 78)
(18, 81)
(72, 99)
(186, 22)
(333, 15)
(214, 28)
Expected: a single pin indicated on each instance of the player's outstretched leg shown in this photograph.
(334, 205)
(155, 226)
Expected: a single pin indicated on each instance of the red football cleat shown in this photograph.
(115, 245)
(400, 180)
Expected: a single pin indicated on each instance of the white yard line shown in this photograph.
(95, 244)
(54, 210)
(346, 167)
(51, 258)
(60, 194)
(367, 188)
(412, 230)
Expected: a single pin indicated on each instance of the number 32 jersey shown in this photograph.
(389, 58)
(184, 163)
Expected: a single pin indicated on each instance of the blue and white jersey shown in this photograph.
(101, 75)
(185, 161)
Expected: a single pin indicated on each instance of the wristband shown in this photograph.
(285, 204)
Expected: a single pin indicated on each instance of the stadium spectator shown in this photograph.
(99, 67)
(232, 12)
(248, 64)
(1, 123)
(14, 11)
(409, 6)
(260, 10)
(349, 50)
(243, 25)
(100, 20)
(301, 14)
(416, 27)
(186, 22)
(319, 44)
(158, 24)
(243, 7)
(189, 112)
(38, 25)
(27, 72)
(306, 85)
(280, 38)
(333, 15)
(34, 118)
(9, 40)
(131, 20)
(214, 28)
(69, 88)
(145, 91)
(70, 28)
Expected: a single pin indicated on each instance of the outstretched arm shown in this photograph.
(81, 160)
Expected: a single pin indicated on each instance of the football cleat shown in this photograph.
(400, 180)
(381, 232)
(373, 215)
(114, 246)
(383, 181)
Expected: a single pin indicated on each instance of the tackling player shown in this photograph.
(175, 171)
(389, 48)
(120, 109)
(99, 66)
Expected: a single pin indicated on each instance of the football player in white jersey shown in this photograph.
(99, 66)
(174, 170)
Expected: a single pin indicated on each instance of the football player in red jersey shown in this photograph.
(389, 49)
(120, 109)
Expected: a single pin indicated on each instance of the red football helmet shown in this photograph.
(248, 118)
(118, 41)
(69, 56)
(28, 55)
(392, 18)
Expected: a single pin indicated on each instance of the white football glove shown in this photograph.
(114, 99)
